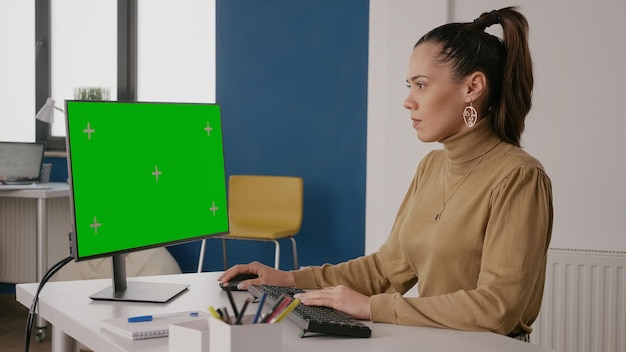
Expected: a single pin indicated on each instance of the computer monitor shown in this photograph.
(143, 175)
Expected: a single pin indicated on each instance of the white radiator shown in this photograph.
(584, 302)
(18, 233)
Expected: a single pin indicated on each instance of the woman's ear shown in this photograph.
(476, 86)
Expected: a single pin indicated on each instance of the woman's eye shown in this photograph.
(417, 85)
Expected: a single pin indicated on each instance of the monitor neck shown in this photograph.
(119, 273)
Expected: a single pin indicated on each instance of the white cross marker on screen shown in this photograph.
(89, 130)
(95, 225)
(208, 129)
(156, 172)
(213, 208)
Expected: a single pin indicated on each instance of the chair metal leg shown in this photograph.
(201, 259)
(295, 253)
(224, 253)
(276, 255)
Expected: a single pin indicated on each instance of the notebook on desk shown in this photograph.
(20, 162)
(150, 329)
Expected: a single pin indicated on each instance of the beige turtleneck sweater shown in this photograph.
(481, 266)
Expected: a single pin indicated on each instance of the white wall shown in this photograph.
(575, 128)
(393, 149)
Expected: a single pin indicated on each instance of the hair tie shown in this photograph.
(495, 17)
(480, 23)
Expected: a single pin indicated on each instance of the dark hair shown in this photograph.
(506, 63)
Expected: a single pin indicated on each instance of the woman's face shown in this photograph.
(435, 101)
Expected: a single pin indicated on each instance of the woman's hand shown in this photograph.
(266, 275)
(341, 298)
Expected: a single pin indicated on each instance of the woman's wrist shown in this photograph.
(289, 279)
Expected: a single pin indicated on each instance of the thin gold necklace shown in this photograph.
(444, 201)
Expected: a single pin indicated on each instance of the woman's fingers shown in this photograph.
(340, 298)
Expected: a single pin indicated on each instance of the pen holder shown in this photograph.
(246, 337)
(190, 336)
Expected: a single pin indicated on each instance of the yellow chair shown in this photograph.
(263, 208)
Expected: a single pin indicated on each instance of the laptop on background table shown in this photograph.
(21, 162)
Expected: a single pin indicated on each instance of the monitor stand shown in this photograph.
(136, 291)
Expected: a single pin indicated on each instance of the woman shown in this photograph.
(474, 227)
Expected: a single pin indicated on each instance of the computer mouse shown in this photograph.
(232, 284)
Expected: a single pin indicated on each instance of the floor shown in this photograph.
(13, 325)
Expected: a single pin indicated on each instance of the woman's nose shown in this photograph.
(409, 103)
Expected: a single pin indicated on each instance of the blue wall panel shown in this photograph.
(292, 83)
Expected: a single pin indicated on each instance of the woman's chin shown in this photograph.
(424, 137)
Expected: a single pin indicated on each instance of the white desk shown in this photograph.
(66, 305)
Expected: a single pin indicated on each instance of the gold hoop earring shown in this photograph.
(470, 116)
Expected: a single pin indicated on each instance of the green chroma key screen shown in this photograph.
(144, 175)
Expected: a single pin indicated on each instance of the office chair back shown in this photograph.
(262, 208)
(265, 206)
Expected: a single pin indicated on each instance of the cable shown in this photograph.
(31, 313)
(29, 323)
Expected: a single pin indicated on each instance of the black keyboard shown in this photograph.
(314, 319)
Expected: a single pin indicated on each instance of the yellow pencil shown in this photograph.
(214, 313)
(286, 311)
